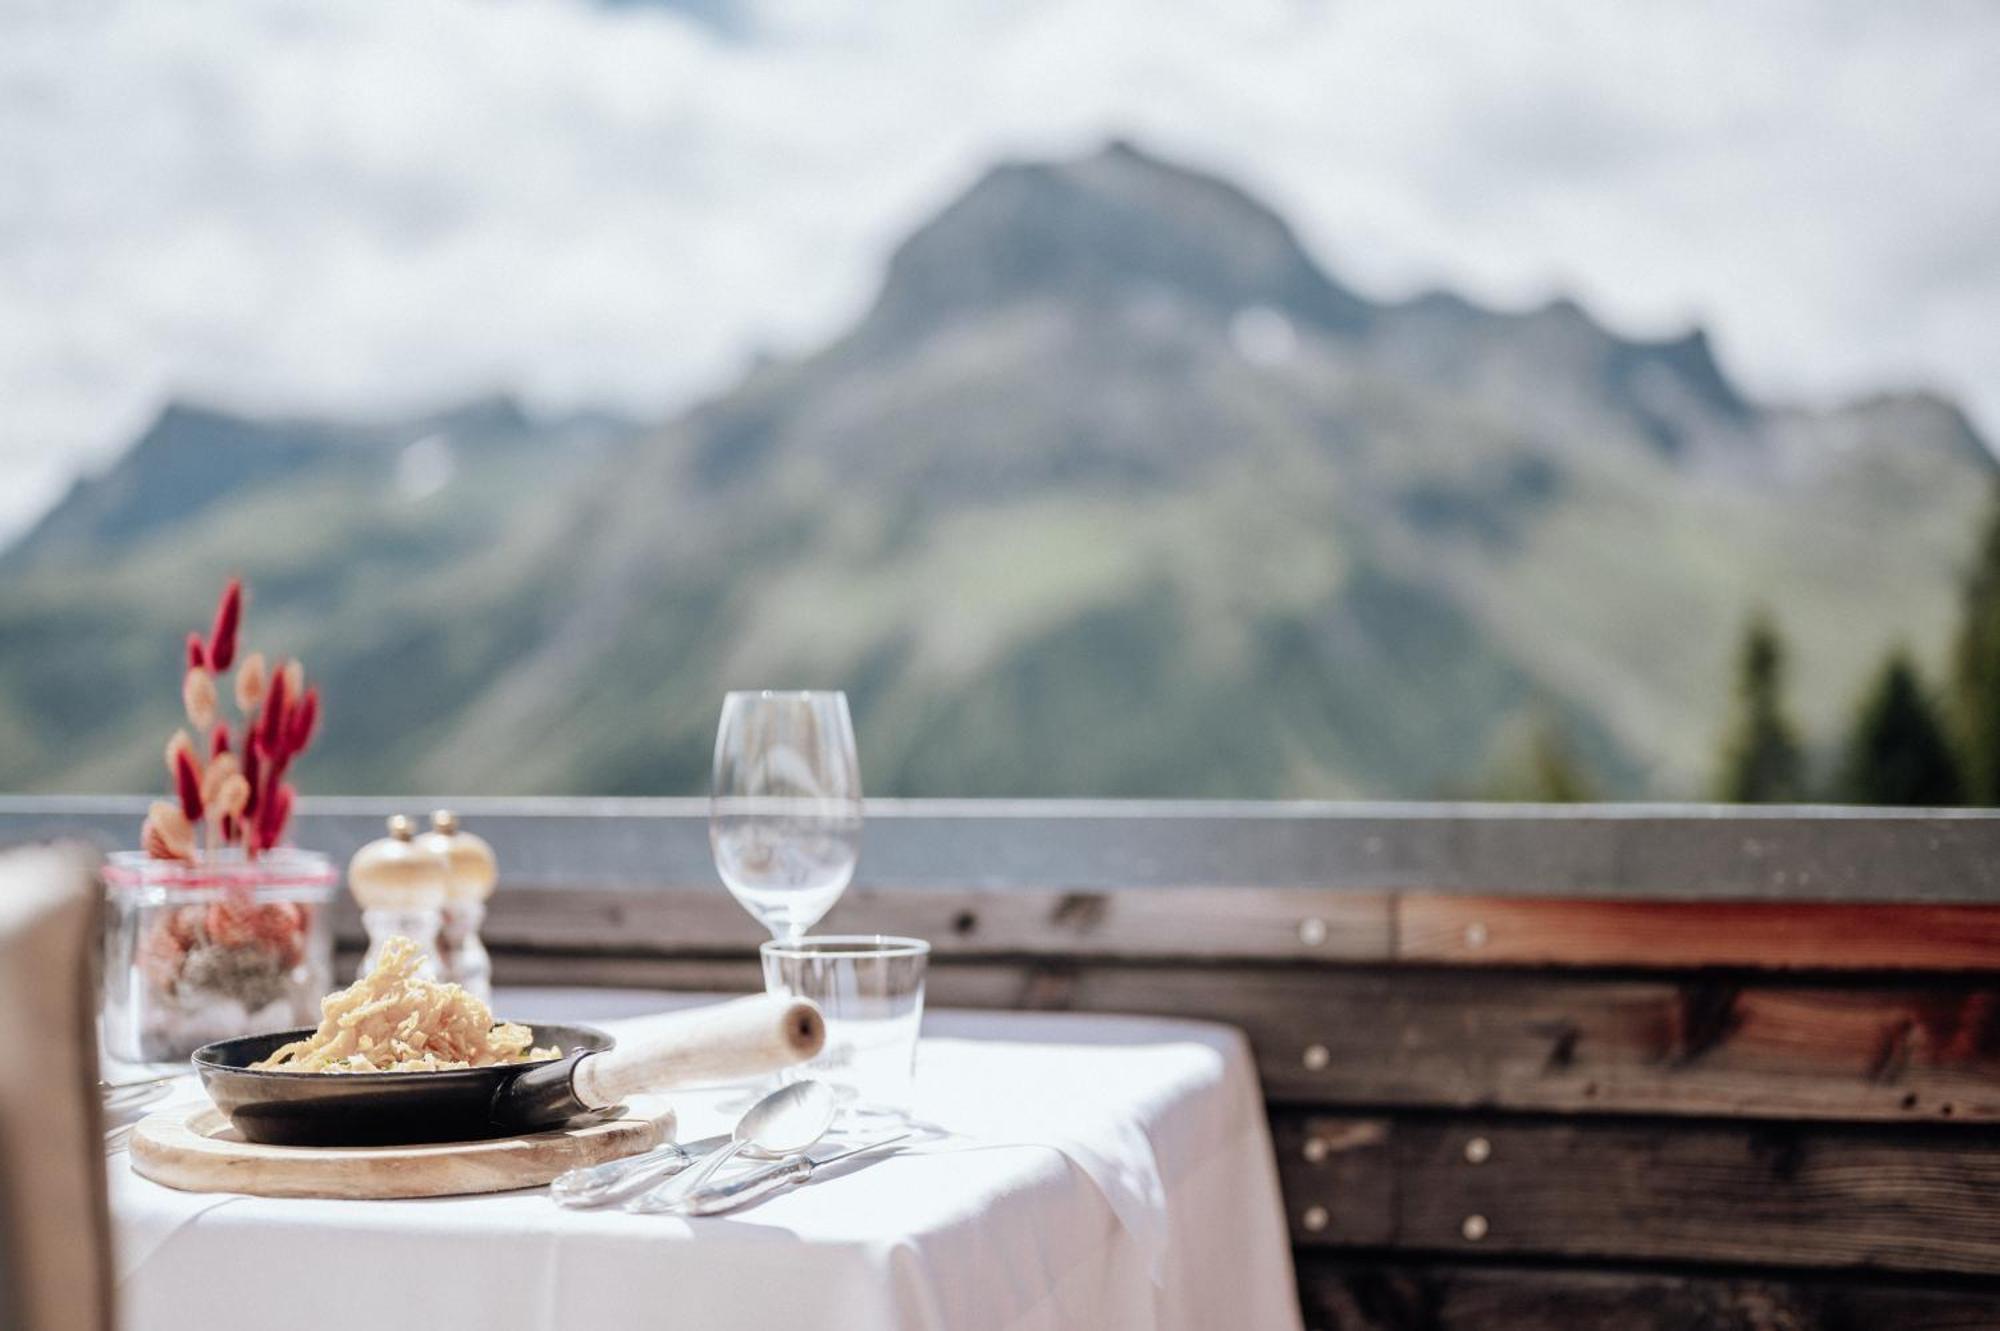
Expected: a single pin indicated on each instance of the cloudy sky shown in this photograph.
(372, 207)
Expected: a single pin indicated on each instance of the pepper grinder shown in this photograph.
(473, 870)
(401, 888)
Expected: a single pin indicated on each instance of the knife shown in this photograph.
(595, 1185)
(754, 1185)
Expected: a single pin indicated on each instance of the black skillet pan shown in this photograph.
(744, 1038)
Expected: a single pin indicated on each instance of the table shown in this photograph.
(1102, 1172)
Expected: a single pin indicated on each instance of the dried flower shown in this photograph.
(167, 834)
(198, 696)
(232, 923)
(230, 797)
(220, 768)
(187, 784)
(251, 680)
(185, 923)
(176, 746)
(295, 679)
(299, 726)
(218, 739)
(253, 772)
(277, 811)
(271, 721)
(197, 655)
(160, 955)
(228, 616)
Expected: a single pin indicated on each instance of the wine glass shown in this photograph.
(784, 814)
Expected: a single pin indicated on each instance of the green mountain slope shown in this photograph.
(1113, 492)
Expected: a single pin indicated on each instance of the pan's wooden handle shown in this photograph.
(746, 1037)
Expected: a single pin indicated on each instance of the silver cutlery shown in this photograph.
(783, 1123)
(754, 1185)
(119, 1095)
(615, 1180)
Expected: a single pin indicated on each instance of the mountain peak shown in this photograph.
(1100, 228)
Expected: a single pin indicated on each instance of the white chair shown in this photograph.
(55, 1230)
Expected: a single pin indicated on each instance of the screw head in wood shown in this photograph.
(1475, 934)
(1473, 1228)
(1478, 1151)
(1315, 1057)
(1312, 931)
(1314, 1150)
(1315, 1219)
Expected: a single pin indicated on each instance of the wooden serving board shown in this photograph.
(194, 1148)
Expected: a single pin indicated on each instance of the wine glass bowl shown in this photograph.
(785, 805)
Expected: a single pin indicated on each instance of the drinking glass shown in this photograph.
(870, 989)
(785, 805)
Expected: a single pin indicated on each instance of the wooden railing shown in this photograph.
(1609, 1067)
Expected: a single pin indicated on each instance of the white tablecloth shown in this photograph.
(1103, 1173)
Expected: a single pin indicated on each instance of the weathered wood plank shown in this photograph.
(1515, 931)
(1344, 1295)
(1196, 923)
(1470, 1039)
(1747, 1195)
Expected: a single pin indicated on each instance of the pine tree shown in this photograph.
(1899, 752)
(1976, 666)
(1761, 759)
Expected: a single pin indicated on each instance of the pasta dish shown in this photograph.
(394, 1020)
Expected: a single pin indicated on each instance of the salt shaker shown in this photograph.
(472, 872)
(401, 888)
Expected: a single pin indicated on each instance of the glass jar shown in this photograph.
(209, 951)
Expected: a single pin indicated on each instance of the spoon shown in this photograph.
(785, 1122)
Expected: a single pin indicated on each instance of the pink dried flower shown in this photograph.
(228, 617)
(220, 769)
(230, 796)
(251, 680)
(167, 834)
(198, 697)
(160, 955)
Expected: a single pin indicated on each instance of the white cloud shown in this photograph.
(376, 206)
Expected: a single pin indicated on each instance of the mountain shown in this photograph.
(1114, 490)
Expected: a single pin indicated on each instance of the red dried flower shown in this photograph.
(197, 654)
(228, 616)
(187, 784)
(299, 727)
(218, 740)
(271, 721)
(253, 772)
(277, 812)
